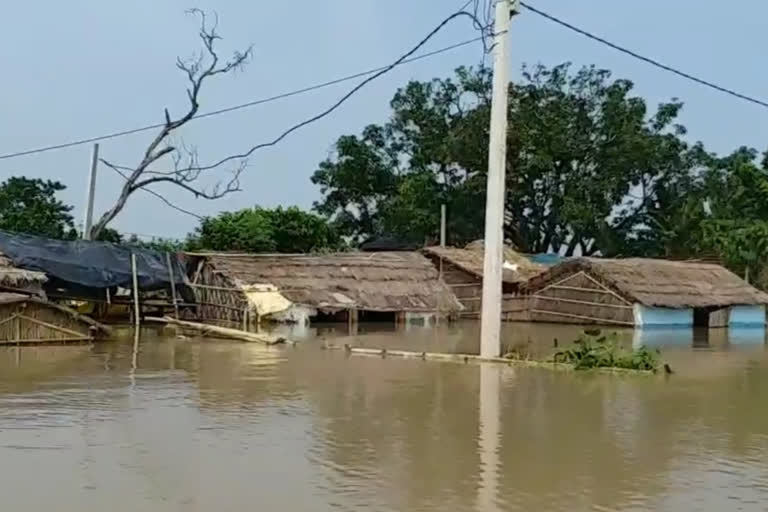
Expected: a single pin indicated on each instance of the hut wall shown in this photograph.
(468, 288)
(217, 297)
(515, 308)
(579, 299)
(719, 317)
(32, 329)
(646, 316)
(747, 316)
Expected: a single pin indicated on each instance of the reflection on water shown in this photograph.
(214, 425)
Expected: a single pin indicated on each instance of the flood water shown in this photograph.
(217, 425)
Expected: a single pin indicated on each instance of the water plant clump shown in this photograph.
(595, 350)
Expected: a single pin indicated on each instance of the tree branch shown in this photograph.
(198, 69)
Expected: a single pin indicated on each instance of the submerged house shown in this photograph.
(387, 286)
(462, 271)
(26, 316)
(31, 319)
(641, 293)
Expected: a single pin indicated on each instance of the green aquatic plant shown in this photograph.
(596, 350)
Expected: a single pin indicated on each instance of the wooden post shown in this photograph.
(245, 318)
(352, 315)
(136, 312)
(173, 284)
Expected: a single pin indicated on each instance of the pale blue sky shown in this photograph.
(85, 67)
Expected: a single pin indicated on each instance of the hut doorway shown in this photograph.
(337, 317)
(701, 317)
(378, 316)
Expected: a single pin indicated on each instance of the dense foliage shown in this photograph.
(592, 170)
(30, 206)
(284, 230)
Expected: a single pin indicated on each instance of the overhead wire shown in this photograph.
(648, 60)
(374, 74)
(253, 103)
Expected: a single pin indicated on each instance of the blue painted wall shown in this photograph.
(663, 336)
(743, 316)
(648, 317)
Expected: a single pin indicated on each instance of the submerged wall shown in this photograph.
(646, 316)
(746, 316)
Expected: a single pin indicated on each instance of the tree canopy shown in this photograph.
(31, 206)
(283, 230)
(592, 170)
(580, 146)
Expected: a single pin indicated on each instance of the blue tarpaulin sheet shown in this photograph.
(90, 264)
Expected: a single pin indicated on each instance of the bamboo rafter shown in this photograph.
(583, 317)
(584, 302)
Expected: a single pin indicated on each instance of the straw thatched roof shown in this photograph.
(14, 277)
(388, 281)
(470, 259)
(660, 283)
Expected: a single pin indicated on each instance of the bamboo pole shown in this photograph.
(136, 312)
(472, 358)
(223, 332)
(173, 284)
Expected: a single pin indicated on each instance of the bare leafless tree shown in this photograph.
(185, 170)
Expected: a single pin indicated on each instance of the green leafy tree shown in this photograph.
(587, 162)
(285, 230)
(31, 206)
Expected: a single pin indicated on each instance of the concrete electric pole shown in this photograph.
(88, 220)
(490, 320)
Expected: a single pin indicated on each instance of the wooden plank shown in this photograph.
(587, 303)
(225, 332)
(581, 317)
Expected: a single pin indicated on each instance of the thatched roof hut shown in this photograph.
(31, 319)
(590, 290)
(14, 278)
(388, 282)
(662, 283)
(462, 270)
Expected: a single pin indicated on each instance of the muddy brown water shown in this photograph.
(215, 425)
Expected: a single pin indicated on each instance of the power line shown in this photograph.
(647, 60)
(241, 106)
(344, 98)
(160, 196)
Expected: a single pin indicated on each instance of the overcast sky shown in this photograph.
(82, 68)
